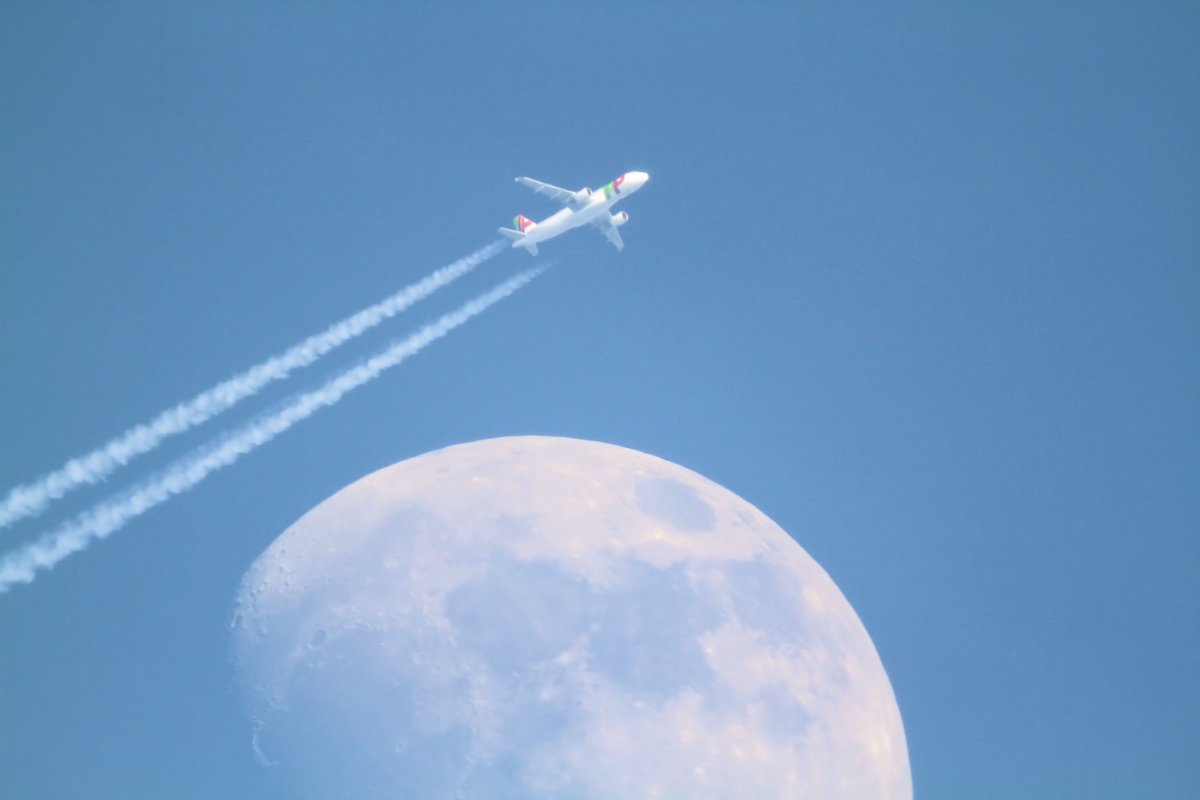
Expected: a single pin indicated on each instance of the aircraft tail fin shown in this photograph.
(523, 224)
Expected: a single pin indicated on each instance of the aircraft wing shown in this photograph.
(564, 196)
(604, 223)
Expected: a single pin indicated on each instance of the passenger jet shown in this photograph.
(582, 207)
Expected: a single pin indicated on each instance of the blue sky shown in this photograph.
(919, 283)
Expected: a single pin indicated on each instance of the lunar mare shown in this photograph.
(537, 617)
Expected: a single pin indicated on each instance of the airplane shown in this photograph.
(582, 207)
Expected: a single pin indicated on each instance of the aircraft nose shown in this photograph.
(637, 179)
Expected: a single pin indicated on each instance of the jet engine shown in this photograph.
(620, 219)
(582, 195)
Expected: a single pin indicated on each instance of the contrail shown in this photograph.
(33, 498)
(22, 564)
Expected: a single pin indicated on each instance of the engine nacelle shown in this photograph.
(581, 197)
(620, 219)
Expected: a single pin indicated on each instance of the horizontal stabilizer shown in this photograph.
(519, 240)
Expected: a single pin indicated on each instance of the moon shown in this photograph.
(542, 617)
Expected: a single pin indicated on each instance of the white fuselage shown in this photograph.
(562, 221)
(599, 202)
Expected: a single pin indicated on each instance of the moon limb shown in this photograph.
(548, 617)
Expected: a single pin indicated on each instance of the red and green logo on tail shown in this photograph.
(522, 223)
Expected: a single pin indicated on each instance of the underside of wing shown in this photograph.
(564, 196)
(606, 226)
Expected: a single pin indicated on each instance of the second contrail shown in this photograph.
(23, 564)
(33, 498)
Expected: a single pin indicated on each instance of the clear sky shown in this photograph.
(920, 284)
